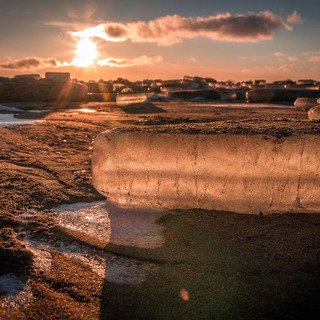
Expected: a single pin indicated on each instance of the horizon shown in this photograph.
(98, 39)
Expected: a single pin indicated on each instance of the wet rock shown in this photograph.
(305, 103)
(314, 113)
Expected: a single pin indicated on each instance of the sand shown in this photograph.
(212, 265)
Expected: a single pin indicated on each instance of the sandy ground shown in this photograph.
(212, 265)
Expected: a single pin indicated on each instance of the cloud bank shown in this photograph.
(123, 63)
(31, 63)
(173, 29)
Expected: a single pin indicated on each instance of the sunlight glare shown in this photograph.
(86, 53)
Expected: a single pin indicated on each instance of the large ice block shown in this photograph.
(240, 173)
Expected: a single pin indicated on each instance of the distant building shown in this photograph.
(27, 77)
(58, 76)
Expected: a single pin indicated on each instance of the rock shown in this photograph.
(305, 103)
(314, 113)
(280, 95)
(209, 94)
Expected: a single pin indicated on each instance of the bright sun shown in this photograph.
(86, 53)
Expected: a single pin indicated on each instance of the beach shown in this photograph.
(209, 265)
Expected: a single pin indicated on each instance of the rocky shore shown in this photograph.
(212, 265)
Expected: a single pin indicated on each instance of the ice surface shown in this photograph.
(109, 266)
(103, 221)
(5, 108)
(90, 218)
(107, 222)
(7, 120)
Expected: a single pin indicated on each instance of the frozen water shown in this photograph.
(109, 266)
(134, 226)
(107, 222)
(9, 109)
(7, 120)
(90, 218)
(104, 221)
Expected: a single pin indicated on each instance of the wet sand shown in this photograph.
(212, 265)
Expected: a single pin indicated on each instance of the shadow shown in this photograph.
(229, 270)
(142, 108)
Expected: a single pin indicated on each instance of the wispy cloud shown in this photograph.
(310, 53)
(295, 18)
(285, 55)
(31, 63)
(123, 63)
(280, 54)
(286, 67)
(315, 59)
(173, 29)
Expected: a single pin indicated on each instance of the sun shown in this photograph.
(86, 53)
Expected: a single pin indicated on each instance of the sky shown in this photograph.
(146, 39)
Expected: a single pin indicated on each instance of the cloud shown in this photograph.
(286, 67)
(173, 29)
(295, 18)
(268, 69)
(31, 63)
(280, 54)
(310, 53)
(315, 59)
(123, 63)
(291, 58)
